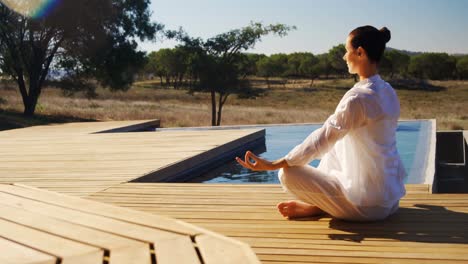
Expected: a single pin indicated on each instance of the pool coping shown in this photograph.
(431, 158)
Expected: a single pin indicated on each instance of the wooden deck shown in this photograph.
(75, 159)
(428, 228)
(38, 226)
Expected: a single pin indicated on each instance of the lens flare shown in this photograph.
(31, 8)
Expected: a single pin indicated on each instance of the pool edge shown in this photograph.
(430, 166)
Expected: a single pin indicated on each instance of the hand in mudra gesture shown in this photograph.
(260, 164)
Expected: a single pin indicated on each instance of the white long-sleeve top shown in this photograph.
(357, 145)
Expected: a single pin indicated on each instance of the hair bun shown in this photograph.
(385, 34)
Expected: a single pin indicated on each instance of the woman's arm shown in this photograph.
(349, 114)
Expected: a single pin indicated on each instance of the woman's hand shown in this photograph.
(260, 164)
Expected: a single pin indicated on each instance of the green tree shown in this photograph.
(294, 61)
(222, 78)
(219, 58)
(265, 68)
(335, 56)
(248, 63)
(394, 62)
(310, 67)
(153, 65)
(434, 66)
(325, 65)
(462, 67)
(93, 40)
(273, 66)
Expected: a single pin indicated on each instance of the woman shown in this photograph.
(360, 176)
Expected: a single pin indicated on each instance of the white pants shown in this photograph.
(313, 186)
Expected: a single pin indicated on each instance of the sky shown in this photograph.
(415, 25)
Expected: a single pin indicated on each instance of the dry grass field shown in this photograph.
(293, 101)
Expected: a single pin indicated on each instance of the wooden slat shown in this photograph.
(12, 252)
(284, 258)
(323, 240)
(110, 225)
(67, 250)
(100, 225)
(101, 209)
(460, 256)
(123, 250)
(216, 250)
(178, 250)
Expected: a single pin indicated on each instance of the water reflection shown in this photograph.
(232, 172)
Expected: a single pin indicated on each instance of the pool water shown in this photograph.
(412, 144)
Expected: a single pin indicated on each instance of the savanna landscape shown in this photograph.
(56, 72)
(293, 101)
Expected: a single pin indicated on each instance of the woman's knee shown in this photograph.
(310, 178)
(285, 174)
(294, 176)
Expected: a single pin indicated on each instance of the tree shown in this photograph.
(335, 56)
(219, 58)
(294, 61)
(93, 40)
(222, 78)
(171, 64)
(275, 65)
(154, 65)
(394, 62)
(462, 67)
(325, 65)
(248, 63)
(310, 67)
(434, 66)
(265, 68)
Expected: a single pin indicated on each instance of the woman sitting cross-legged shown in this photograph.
(360, 175)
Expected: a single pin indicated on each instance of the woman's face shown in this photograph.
(351, 56)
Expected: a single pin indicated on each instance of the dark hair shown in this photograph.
(371, 40)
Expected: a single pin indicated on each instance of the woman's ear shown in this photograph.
(361, 52)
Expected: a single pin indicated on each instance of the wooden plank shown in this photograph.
(181, 250)
(122, 250)
(352, 238)
(273, 245)
(206, 192)
(68, 251)
(76, 128)
(156, 237)
(108, 224)
(178, 250)
(92, 207)
(216, 250)
(418, 188)
(382, 255)
(312, 226)
(304, 243)
(237, 187)
(357, 260)
(12, 252)
(78, 220)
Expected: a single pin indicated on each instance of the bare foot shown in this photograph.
(296, 208)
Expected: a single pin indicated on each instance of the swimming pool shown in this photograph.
(414, 141)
